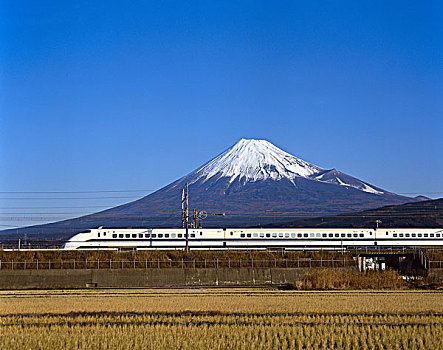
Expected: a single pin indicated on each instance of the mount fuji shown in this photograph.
(252, 183)
(260, 161)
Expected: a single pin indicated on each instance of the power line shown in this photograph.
(288, 217)
(81, 207)
(237, 213)
(56, 198)
(140, 190)
(66, 192)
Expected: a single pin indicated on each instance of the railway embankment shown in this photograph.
(159, 269)
(292, 278)
(151, 277)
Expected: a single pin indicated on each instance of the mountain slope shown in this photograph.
(253, 182)
(420, 214)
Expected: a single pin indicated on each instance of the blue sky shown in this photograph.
(103, 95)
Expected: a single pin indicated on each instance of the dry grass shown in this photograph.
(167, 255)
(195, 331)
(346, 279)
(220, 319)
(435, 254)
(218, 300)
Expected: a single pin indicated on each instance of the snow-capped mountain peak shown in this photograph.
(252, 160)
(255, 160)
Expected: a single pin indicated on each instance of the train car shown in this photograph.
(253, 238)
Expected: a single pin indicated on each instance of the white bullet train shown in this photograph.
(254, 238)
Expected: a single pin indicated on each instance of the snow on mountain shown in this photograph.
(255, 160)
(338, 178)
(259, 160)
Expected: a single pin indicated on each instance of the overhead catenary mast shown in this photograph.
(183, 208)
(187, 217)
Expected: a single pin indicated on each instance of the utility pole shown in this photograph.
(187, 218)
(194, 217)
(183, 208)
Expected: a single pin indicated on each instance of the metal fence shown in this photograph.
(185, 264)
(160, 264)
(436, 264)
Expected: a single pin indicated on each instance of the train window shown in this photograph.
(305, 235)
(298, 235)
(134, 235)
(242, 235)
(268, 235)
(413, 235)
(395, 235)
(160, 235)
(147, 235)
(293, 235)
(255, 234)
(286, 235)
(349, 234)
(201, 233)
(400, 234)
(274, 235)
(128, 235)
(355, 235)
(99, 234)
(262, 234)
(280, 234)
(431, 235)
(192, 235)
(180, 235)
(311, 235)
(232, 233)
(386, 233)
(104, 234)
(419, 235)
(173, 235)
(425, 235)
(325, 235)
(362, 234)
(120, 235)
(337, 235)
(437, 235)
(343, 234)
(114, 235)
(154, 235)
(166, 235)
(407, 235)
(248, 235)
(140, 235)
(331, 235)
(318, 234)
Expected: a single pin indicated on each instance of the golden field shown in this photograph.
(220, 319)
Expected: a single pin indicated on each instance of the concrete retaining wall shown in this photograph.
(148, 278)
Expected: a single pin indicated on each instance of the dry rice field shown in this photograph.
(220, 319)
